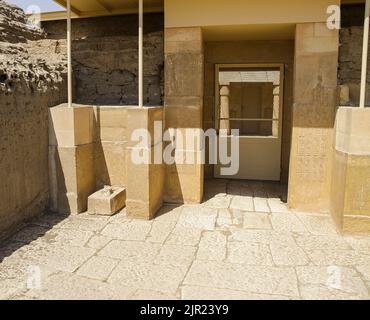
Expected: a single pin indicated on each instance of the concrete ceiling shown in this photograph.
(249, 32)
(95, 8)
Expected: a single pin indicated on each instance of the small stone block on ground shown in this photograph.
(107, 201)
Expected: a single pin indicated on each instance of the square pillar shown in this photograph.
(184, 73)
(71, 165)
(145, 181)
(350, 193)
(315, 97)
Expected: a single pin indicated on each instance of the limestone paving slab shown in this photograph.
(131, 250)
(287, 222)
(256, 220)
(147, 276)
(242, 203)
(128, 230)
(249, 253)
(331, 282)
(98, 268)
(212, 246)
(215, 250)
(207, 293)
(257, 279)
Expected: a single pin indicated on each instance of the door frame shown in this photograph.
(280, 66)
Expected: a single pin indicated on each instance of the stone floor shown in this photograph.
(242, 243)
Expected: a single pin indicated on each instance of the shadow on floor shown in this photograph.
(28, 232)
(248, 188)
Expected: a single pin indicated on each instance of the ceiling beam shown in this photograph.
(63, 3)
(104, 5)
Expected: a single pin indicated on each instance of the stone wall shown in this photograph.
(105, 58)
(315, 101)
(30, 82)
(350, 53)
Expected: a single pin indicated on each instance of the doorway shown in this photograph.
(249, 98)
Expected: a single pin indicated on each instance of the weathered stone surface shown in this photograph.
(130, 230)
(105, 49)
(83, 289)
(242, 203)
(287, 222)
(98, 242)
(315, 100)
(259, 279)
(206, 293)
(319, 280)
(162, 278)
(98, 268)
(185, 236)
(193, 218)
(130, 250)
(256, 220)
(177, 256)
(103, 204)
(350, 52)
(30, 82)
(225, 262)
(212, 247)
(288, 254)
(248, 253)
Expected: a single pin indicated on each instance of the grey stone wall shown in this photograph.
(350, 52)
(32, 78)
(105, 58)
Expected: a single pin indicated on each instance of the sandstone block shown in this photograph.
(70, 127)
(107, 201)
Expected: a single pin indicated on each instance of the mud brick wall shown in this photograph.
(350, 53)
(105, 58)
(32, 78)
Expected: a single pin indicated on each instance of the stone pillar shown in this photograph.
(315, 94)
(350, 193)
(71, 165)
(184, 73)
(145, 181)
(225, 108)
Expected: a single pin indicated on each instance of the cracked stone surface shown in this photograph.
(233, 246)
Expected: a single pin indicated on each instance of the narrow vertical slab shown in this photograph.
(145, 180)
(184, 64)
(315, 95)
(71, 163)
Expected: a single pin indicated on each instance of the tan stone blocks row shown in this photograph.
(315, 98)
(71, 157)
(316, 38)
(184, 86)
(353, 131)
(183, 112)
(144, 119)
(70, 127)
(184, 74)
(75, 179)
(183, 40)
(350, 194)
(184, 183)
(110, 163)
(145, 181)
